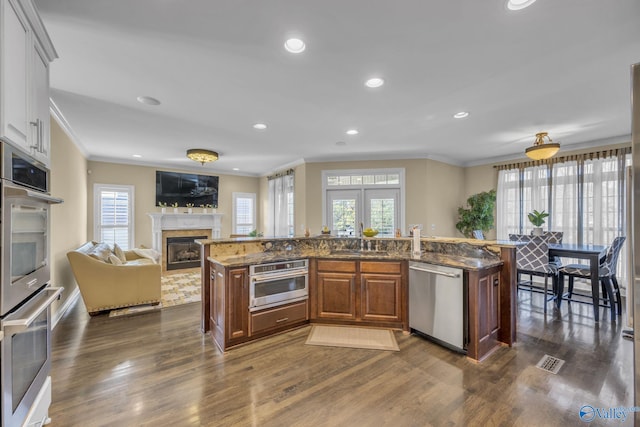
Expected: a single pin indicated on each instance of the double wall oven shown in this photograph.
(25, 293)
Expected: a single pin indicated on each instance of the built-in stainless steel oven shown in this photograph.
(278, 283)
(24, 235)
(26, 356)
(25, 294)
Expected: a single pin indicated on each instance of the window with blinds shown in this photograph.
(113, 208)
(244, 213)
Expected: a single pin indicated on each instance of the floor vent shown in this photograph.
(550, 364)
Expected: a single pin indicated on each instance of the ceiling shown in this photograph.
(219, 66)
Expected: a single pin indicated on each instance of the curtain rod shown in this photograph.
(561, 159)
(279, 174)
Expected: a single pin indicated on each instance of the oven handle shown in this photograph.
(16, 326)
(14, 191)
(271, 277)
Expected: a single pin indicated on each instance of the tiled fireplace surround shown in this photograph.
(182, 225)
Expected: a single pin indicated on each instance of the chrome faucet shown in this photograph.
(361, 236)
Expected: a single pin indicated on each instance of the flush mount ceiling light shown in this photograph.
(461, 115)
(201, 155)
(519, 4)
(148, 100)
(374, 82)
(352, 132)
(137, 156)
(260, 126)
(295, 45)
(541, 150)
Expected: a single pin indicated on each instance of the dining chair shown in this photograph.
(606, 274)
(532, 258)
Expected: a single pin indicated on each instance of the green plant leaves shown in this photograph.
(479, 214)
(537, 218)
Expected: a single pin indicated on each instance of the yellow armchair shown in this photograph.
(106, 286)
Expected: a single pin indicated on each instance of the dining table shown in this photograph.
(592, 253)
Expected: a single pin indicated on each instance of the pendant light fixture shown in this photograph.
(541, 150)
(201, 155)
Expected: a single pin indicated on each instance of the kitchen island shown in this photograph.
(353, 282)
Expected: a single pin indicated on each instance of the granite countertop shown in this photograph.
(456, 261)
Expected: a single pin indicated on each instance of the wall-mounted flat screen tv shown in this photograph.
(183, 188)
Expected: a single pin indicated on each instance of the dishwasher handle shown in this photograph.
(442, 273)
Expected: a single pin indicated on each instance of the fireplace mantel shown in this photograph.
(183, 221)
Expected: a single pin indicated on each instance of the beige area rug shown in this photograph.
(354, 337)
(176, 289)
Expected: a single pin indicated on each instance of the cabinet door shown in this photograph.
(380, 297)
(336, 296)
(40, 112)
(237, 304)
(14, 90)
(484, 312)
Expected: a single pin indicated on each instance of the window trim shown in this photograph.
(235, 196)
(97, 191)
(325, 174)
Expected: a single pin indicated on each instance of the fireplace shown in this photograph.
(183, 252)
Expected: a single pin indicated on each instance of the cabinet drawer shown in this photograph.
(277, 317)
(337, 266)
(390, 267)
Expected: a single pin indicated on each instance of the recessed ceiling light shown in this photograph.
(374, 82)
(260, 126)
(236, 169)
(148, 100)
(341, 143)
(461, 115)
(519, 4)
(137, 155)
(295, 45)
(352, 132)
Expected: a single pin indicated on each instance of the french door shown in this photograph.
(375, 208)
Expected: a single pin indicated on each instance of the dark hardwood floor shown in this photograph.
(159, 369)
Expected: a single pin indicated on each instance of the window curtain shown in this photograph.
(564, 201)
(534, 194)
(508, 204)
(280, 209)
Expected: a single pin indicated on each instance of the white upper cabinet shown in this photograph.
(25, 54)
(15, 53)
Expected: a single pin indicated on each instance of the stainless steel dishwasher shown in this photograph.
(438, 304)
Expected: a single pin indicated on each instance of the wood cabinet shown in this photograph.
(278, 317)
(381, 291)
(26, 52)
(237, 303)
(360, 292)
(230, 321)
(336, 289)
(484, 312)
(229, 305)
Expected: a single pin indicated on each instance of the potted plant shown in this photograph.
(537, 219)
(479, 214)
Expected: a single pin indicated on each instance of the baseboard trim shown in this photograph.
(63, 309)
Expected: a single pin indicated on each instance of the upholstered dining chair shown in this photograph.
(532, 258)
(606, 274)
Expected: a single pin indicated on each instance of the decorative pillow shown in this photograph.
(151, 254)
(114, 260)
(117, 250)
(100, 252)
